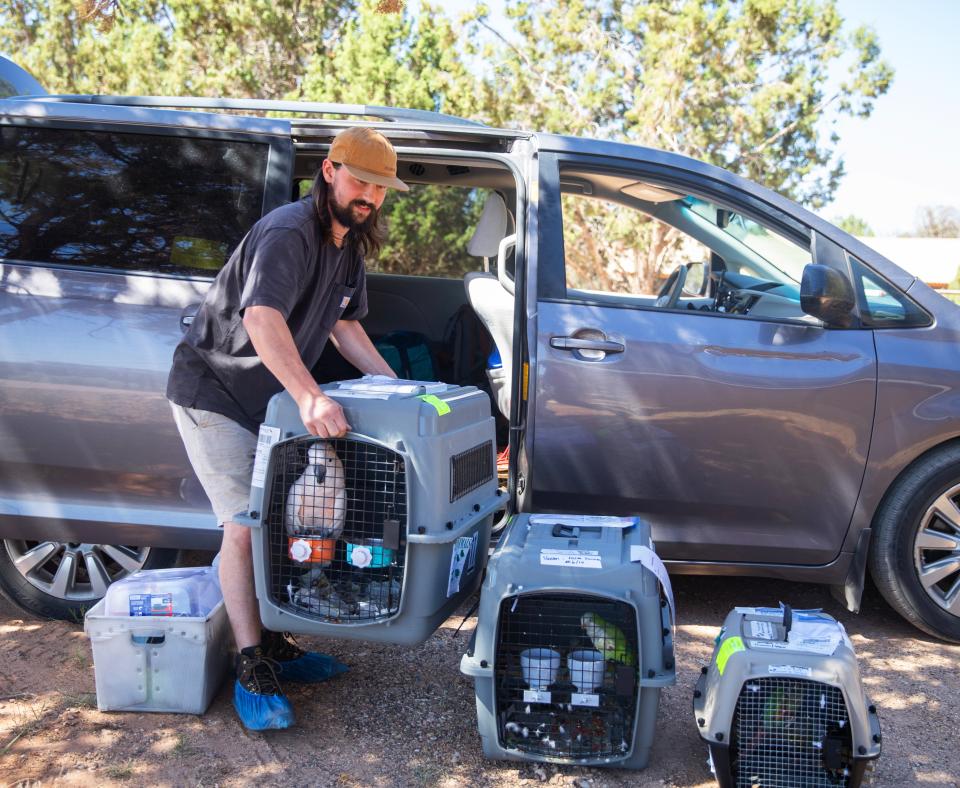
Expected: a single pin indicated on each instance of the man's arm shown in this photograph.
(271, 338)
(355, 346)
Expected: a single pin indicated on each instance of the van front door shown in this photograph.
(736, 424)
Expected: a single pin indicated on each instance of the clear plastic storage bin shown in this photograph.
(168, 662)
(190, 591)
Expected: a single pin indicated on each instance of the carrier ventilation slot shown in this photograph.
(470, 470)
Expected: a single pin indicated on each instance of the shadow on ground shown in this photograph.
(407, 716)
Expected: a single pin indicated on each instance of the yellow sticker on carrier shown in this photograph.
(728, 648)
(431, 399)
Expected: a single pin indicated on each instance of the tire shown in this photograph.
(65, 579)
(915, 557)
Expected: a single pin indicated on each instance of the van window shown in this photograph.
(131, 202)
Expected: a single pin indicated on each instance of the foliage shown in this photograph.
(393, 60)
(429, 228)
(937, 221)
(855, 225)
(744, 84)
(254, 48)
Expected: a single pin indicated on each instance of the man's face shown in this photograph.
(353, 203)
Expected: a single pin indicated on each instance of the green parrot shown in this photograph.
(608, 639)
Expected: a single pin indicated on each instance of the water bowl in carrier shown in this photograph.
(369, 553)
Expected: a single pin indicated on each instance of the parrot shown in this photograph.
(317, 500)
(608, 639)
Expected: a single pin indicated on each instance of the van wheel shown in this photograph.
(915, 558)
(65, 579)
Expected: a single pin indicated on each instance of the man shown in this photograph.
(296, 280)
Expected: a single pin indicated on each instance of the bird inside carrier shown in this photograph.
(337, 525)
(782, 703)
(566, 675)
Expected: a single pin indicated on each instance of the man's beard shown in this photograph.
(344, 214)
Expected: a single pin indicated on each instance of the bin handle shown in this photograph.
(147, 637)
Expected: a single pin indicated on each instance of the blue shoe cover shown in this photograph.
(311, 668)
(262, 712)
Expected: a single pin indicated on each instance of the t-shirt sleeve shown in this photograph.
(357, 308)
(277, 270)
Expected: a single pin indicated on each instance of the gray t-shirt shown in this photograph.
(281, 263)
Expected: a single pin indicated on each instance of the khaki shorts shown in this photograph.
(221, 453)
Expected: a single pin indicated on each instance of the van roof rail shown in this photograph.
(393, 114)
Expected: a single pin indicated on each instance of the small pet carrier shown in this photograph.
(573, 642)
(381, 534)
(782, 705)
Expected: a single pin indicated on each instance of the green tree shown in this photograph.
(744, 84)
(395, 60)
(239, 48)
(854, 225)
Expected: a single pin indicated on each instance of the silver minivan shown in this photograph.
(784, 403)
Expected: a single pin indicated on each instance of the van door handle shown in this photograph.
(574, 343)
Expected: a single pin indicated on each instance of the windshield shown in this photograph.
(781, 254)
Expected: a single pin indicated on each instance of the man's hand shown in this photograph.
(322, 416)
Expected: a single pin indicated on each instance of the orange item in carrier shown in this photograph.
(304, 549)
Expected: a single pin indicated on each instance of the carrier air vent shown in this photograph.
(470, 470)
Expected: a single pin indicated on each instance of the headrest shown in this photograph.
(491, 229)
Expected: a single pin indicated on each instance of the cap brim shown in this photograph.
(380, 180)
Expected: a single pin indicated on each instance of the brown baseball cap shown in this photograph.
(368, 156)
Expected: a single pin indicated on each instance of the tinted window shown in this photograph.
(126, 201)
(633, 243)
(884, 305)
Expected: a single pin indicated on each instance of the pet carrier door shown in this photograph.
(566, 675)
(336, 526)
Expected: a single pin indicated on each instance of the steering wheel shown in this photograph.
(669, 294)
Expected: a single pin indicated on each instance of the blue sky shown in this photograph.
(905, 155)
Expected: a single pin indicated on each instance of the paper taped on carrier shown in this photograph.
(650, 560)
(267, 437)
(584, 559)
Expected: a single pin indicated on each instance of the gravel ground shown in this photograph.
(407, 716)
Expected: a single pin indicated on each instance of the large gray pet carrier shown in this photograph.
(381, 534)
(573, 642)
(781, 703)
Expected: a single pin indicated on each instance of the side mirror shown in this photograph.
(828, 295)
(697, 279)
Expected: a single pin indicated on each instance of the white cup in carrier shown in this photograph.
(540, 666)
(586, 669)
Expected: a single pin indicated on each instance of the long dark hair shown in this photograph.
(368, 237)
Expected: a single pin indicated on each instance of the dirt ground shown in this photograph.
(407, 716)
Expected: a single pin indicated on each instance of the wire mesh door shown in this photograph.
(790, 732)
(337, 524)
(566, 674)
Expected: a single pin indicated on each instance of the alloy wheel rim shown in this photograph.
(73, 571)
(936, 551)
